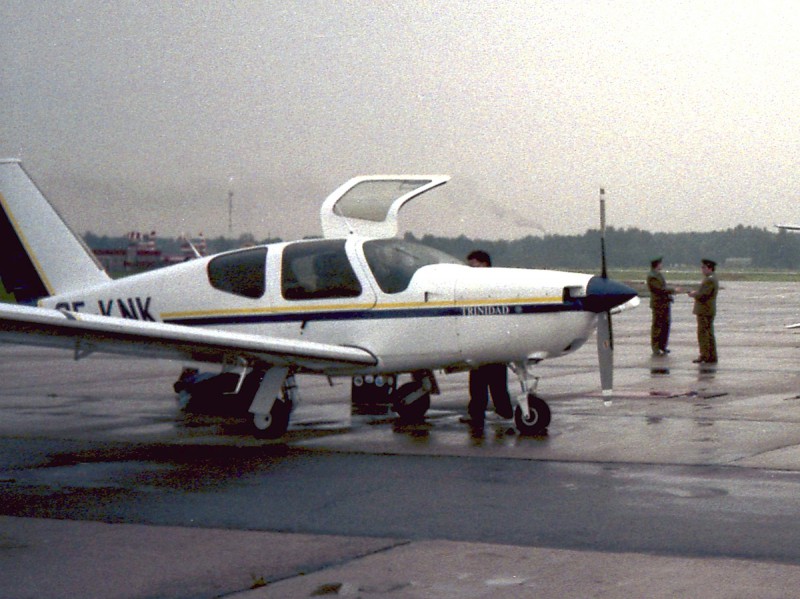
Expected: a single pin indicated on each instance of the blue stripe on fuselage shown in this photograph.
(373, 314)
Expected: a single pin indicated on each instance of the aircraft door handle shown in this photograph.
(430, 296)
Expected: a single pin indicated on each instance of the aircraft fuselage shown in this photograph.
(411, 306)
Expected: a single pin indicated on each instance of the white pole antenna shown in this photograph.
(230, 213)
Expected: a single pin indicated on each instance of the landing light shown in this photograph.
(572, 293)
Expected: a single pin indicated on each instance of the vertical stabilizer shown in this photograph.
(39, 253)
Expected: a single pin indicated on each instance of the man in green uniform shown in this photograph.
(660, 304)
(705, 308)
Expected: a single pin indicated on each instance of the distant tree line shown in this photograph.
(625, 248)
(634, 248)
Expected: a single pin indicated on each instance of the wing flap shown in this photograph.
(87, 333)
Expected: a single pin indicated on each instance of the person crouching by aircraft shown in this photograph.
(661, 298)
(705, 308)
(486, 379)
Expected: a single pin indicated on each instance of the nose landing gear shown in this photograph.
(537, 419)
(532, 414)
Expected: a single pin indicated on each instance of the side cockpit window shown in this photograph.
(241, 273)
(318, 270)
(393, 262)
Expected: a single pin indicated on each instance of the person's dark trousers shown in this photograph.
(706, 339)
(489, 378)
(659, 331)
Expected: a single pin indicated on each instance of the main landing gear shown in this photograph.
(374, 395)
(273, 403)
(532, 414)
(412, 400)
(267, 394)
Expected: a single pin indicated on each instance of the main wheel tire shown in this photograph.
(276, 423)
(538, 417)
(413, 412)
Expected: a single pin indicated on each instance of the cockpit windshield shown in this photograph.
(394, 261)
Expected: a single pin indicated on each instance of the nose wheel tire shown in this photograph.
(538, 418)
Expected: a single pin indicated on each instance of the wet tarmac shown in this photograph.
(692, 470)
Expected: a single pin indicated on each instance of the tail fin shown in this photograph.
(39, 254)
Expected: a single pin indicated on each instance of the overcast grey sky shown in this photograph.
(139, 115)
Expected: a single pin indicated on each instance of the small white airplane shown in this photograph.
(359, 301)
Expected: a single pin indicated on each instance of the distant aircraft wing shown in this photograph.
(793, 326)
(789, 227)
(89, 333)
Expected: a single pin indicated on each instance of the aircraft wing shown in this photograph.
(88, 333)
(789, 227)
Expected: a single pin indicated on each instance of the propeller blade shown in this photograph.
(605, 352)
(605, 339)
(603, 270)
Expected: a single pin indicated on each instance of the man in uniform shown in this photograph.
(661, 297)
(705, 308)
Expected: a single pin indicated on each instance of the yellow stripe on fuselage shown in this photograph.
(252, 311)
(298, 309)
(518, 300)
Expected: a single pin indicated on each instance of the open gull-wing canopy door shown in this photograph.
(369, 205)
